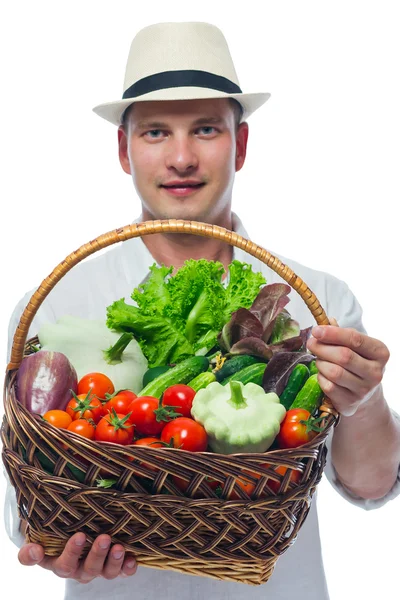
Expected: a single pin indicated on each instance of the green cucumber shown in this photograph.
(182, 373)
(251, 374)
(313, 368)
(233, 365)
(310, 395)
(297, 378)
(202, 381)
(153, 373)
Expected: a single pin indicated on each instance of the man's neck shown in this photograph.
(173, 249)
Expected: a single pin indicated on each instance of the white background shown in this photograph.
(320, 185)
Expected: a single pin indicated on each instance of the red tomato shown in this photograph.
(120, 402)
(179, 396)
(85, 406)
(249, 487)
(182, 485)
(147, 415)
(274, 485)
(293, 432)
(83, 428)
(153, 442)
(58, 418)
(245, 484)
(98, 383)
(186, 434)
(128, 394)
(115, 428)
(150, 442)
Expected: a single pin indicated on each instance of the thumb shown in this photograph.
(333, 321)
(30, 554)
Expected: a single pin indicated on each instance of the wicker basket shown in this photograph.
(54, 472)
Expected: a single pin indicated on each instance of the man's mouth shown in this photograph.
(182, 188)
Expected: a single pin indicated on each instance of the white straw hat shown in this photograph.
(179, 61)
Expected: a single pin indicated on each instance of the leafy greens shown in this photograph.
(177, 316)
(265, 328)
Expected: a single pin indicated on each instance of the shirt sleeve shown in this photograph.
(366, 504)
(348, 313)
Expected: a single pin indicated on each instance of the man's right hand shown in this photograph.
(103, 560)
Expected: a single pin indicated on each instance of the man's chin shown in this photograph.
(185, 213)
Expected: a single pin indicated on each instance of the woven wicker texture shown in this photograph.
(233, 537)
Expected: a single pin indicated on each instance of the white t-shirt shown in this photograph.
(86, 291)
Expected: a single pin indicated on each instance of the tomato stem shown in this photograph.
(311, 424)
(111, 396)
(119, 423)
(83, 405)
(166, 413)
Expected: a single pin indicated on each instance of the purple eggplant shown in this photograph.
(44, 381)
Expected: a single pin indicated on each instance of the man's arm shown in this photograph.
(366, 443)
(366, 449)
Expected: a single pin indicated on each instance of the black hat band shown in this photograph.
(186, 78)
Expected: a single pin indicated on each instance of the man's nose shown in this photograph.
(181, 155)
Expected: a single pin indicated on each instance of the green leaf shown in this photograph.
(157, 336)
(152, 296)
(243, 286)
(181, 315)
(285, 327)
(105, 483)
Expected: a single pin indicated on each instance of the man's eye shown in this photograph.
(154, 133)
(206, 130)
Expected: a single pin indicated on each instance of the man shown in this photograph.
(182, 137)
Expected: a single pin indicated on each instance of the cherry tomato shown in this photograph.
(83, 428)
(245, 484)
(123, 399)
(186, 434)
(115, 428)
(153, 442)
(182, 485)
(249, 487)
(150, 442)
(293, 432)
(85, 406)
(120, 402)
(179, 396)
(147, 415)
(98, 383)
(58, 418)
(274, 485)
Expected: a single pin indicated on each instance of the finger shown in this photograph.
(333, 322)
(346, 361)
(113, 565)
(342, 357)
(129, 567)
(343, 400)
(30, 554)
(360, 343)
(339, 376)
(67, 564)
(94, 562)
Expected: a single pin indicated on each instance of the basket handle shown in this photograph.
(147, 228)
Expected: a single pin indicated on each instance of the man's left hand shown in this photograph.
(350, 365)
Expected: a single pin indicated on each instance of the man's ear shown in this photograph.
(241, 145)
(123, 150)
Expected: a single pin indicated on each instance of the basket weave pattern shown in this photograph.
(233, 537)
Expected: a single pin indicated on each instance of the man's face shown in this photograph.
(183, 156)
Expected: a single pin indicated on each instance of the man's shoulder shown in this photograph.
(91, 285)
(310, 275)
